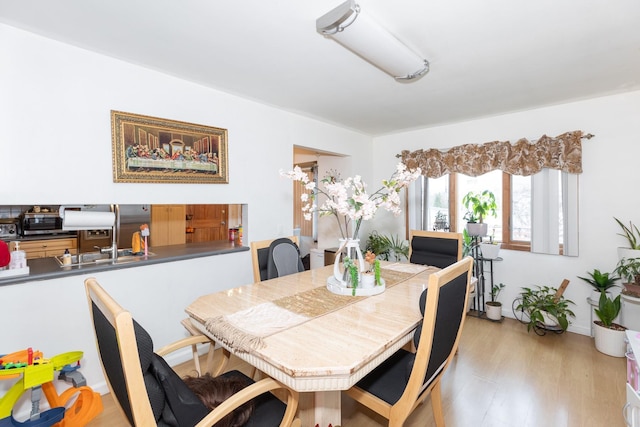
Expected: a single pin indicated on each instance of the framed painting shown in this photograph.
(153, 150)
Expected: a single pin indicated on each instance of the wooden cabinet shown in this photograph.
(47, 248)
(168, 223)
(207, 223)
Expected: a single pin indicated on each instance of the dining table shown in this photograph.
(315, 341)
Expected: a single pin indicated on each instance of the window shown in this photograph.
(536, 213)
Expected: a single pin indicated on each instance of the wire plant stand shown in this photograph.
(540, 328)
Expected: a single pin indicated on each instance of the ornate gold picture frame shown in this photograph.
(153, 150)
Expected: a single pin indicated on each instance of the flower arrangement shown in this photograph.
(348, 201)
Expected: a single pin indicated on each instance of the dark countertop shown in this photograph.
(49, 268)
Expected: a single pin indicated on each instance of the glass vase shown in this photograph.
(348, 248)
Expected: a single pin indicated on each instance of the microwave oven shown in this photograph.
(42, 223)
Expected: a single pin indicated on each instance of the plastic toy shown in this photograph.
(36, 373)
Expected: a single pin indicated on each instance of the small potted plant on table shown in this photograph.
(371, 277)
(494, 307)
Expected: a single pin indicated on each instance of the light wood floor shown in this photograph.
(503, 376)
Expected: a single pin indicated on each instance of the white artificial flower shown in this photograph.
(348, 199)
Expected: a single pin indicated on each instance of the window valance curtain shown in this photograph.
(564, 152)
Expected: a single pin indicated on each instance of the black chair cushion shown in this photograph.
(183, 407)
(283, 258)
(389, 380)
(263, 261)
(110, 356)
(267, 411)
(434, 251)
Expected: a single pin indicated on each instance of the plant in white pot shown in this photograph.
(629, 271)
(600, 282)
(490, 249)
(493, 308)
(632, 234)
(371, 276)
(609, 336)
(479, 206)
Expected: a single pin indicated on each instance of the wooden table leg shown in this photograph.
(321, 408)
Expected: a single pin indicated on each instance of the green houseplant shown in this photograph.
(600, 281)
(494, 307)
(609, 336)
(544, 310)
(629, 271)
(387, 248)
(479, 205)
(632, 235)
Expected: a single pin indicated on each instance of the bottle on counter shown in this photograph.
(66, 257)
(18, 257)
(240, 234)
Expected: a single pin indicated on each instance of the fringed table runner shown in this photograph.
(245, 329)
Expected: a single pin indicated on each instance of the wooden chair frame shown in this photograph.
(122, 321)
(262, 244)
(437, 235)
(413, 394)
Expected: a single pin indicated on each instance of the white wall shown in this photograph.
(56, 149)
(609, 164)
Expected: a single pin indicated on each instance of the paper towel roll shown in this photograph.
(79, 220)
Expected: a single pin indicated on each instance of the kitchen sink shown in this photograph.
(94, 258)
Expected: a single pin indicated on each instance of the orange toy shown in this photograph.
(33, 372)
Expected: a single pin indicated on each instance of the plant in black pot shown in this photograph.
(600, 282)
(609, 336)
(494, 307)
(479, 205)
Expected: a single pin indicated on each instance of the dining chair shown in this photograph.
(149, 393)
(402, 382)
(275, 258)
(436, 248)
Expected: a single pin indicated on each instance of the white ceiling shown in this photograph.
(487, 57)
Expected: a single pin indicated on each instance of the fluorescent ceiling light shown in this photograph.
(359, 33)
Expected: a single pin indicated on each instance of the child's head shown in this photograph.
(215, 390)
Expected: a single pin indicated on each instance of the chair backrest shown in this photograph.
(436, 248)
(143, 384)
(260, 257)
(443, 305)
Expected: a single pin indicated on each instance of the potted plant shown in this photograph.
(632, 234)
(479, 206)
(544, 309)
(490, 249)
(371, 276)
(494, 307)
(629, 271)
(601, 282)
(440, 222)
(609, 336)
(387, 248)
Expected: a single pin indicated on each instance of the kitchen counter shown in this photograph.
(49, 268)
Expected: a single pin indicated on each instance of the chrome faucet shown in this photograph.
(113, 249)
